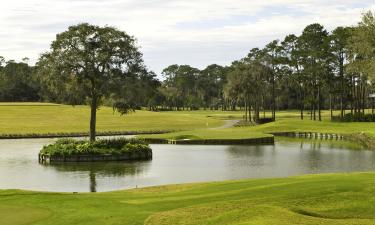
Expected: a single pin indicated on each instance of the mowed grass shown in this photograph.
(326, 126)
(287, 121)
(344, 199)
(225, 133)
(43, 118)
(27, 118)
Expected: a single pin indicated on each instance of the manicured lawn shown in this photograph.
(26, 118)
(326, 126)
(286, 122)
(42, 118)
(344, 199)
(226, 133)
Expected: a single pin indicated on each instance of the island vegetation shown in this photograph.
(118, 146)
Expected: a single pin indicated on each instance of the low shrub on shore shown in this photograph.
(68, 146)
(356, 117)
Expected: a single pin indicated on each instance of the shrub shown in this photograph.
(356, 117)
(265, 120)
(69, 146)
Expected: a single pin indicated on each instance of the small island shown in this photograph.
(118, 149)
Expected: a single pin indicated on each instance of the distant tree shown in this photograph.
(2, 61)
(361, 66)
(91, 62)
(210, 85)
(181, 83)
(314, 43)
(339, 40)
(292, 59)
(17, 82)
(273, 59)
(247, 81)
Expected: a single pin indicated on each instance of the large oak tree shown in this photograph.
(91, 63)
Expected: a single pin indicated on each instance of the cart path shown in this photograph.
(228, 124)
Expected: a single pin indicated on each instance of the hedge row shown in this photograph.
(355, 117)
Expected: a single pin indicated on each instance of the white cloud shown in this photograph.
(172, 31)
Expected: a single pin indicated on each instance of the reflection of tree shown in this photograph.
(92, 182)
(115, 169)
(102, 168)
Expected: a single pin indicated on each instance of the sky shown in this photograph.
(194, 32)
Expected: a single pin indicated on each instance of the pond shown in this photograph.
(173, 164)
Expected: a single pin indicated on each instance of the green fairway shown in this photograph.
(287, 121)
(43, 118)
(283, 124)
(39, 118)
(345, 199)
(225, 133)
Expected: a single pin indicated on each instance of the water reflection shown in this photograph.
(19, 167)
(101, 169)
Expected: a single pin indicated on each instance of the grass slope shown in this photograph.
(344, 199)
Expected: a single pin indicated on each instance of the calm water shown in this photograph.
(19, 167)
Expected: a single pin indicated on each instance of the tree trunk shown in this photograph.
(342, 86)
(319, 106)
(330, 105)
(364, 98)
(250, 114)
(273, 99)
(302, 102)
(246, 105)
(94, 106)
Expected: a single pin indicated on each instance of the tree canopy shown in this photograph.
(91, 63)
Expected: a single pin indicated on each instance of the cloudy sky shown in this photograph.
(195, 32)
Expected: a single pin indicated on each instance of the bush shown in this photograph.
(356, 117)
(265, 120)
(68, 146)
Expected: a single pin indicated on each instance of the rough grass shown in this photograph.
(344, 199)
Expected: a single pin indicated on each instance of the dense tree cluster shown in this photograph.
(314, 71)
(18, 81)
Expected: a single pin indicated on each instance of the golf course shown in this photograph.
(344, 198)
(126, 112)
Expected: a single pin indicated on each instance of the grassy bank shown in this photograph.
(286, 122)
(226, 133)
(314, 199)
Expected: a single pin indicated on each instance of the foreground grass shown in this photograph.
(314, 199)
(39, 118)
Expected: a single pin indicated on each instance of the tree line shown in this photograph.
(310, 72)
(313, 71)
